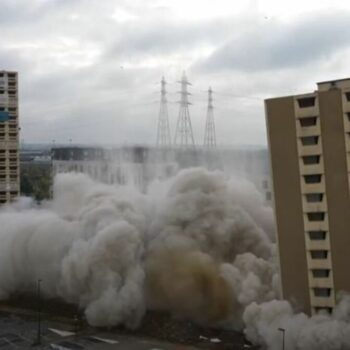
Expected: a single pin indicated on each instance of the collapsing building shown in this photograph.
(140, 165)
(135, 165)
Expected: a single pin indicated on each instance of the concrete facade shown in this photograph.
(309, 141)
(9, 140)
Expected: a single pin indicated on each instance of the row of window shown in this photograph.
(13, 177)
(10, 126)
(313, 178)
(8, 109)
(13, 193)
(2, 168)
(10, 75)
(309, 140)
(318, 235)
(306, 102)
(11, 151)
(316, 216)
(320, 273)
(12, 157)
(308, 121)
(311, 160)
(322, 292)
(10, 134)
(10, 93)
(319, 254)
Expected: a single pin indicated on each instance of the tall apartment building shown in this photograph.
(9, 141)
(309, 140)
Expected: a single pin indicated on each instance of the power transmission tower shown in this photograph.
(163, 133)
(209, 133)
(184, 134)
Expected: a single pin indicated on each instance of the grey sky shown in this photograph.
(89, 69)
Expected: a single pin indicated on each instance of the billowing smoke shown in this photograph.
(320, 332)
(199, 245)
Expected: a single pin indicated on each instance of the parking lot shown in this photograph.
(21, 333)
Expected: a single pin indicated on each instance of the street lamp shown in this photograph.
(283, 335)
(39, 312)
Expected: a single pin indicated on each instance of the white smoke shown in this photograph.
(199, 245)
(319, 332)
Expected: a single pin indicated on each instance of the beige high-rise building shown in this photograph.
(9, 140)
(309, 140)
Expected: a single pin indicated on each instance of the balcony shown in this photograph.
(322, 301)
(319, 263)
(311, 169)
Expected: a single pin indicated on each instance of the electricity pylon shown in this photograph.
(163, 133)
(209, 133)
(184, 134)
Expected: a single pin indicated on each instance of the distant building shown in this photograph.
(309, 139)
(134, 165)
(9, 140)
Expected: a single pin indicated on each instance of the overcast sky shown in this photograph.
(89, 70)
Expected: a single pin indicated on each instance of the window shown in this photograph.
(322, 292)
(320, 273)
(314, 197)
(309, 121)
(317, 216)
(309, 140)
(348, 115)
(347, 94)
(308, 160)
(312, 179)
(319, 254)
(317, 235)
(306, 102)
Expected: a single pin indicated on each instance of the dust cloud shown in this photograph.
(200, 245)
